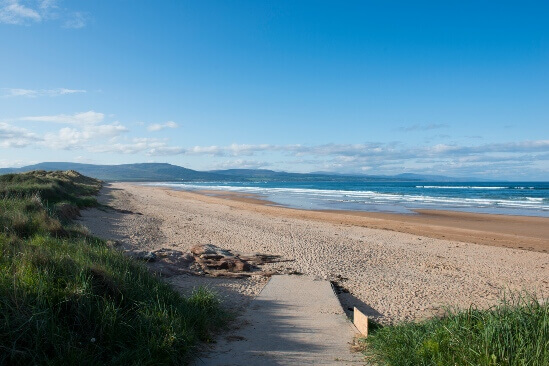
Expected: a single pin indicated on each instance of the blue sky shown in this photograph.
(378, 87)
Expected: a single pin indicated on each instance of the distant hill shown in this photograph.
(7, 170)
(273, 176)
(247, 172)
(159, 172)
(146, 172)
(432, 178)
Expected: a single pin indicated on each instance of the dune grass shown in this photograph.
(53, 187)
(67, 298)
(515, 332)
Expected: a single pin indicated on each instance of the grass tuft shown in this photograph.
(515, 332)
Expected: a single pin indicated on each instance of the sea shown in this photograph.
(505, 198)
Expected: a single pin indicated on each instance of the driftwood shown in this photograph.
(207, 259)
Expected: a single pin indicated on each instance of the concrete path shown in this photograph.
(295, 320)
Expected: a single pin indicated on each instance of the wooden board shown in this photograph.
(361, 322)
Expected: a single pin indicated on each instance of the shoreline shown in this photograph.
(389, 275)
(516, 232)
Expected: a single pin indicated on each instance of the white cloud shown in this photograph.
(12, 12)
(48, 4)
(31, 93)
(137, 145)
(65, 138)
(113, 129)
(162, 126)
(390, 158)
(508, 147)
(165, 150)
(88, 131)
(69, 138)
(12, 136)
(377, 158)
(83, 118)
(355, 152)
(15, 163)
(36, 11)
(84, 128)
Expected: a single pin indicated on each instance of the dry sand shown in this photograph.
(396, 267)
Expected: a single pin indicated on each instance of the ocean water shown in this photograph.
(507, 198)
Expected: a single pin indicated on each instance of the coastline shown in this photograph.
(389, 275)
(516, 232)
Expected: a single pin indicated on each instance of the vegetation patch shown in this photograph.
(67, 298)
(515, 332)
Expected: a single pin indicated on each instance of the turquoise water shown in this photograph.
(507, 198)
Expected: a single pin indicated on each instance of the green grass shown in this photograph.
(515, 332)
(67, 298)
(51, 187)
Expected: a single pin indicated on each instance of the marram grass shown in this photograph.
(515, 332)
(67, 298)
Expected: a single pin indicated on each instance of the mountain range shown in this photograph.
(162, 172)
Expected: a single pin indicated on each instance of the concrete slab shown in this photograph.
(295, 320)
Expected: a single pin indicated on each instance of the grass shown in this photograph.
(52, 187)
(67, 298)
(515, 332)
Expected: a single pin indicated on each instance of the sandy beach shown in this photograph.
(518, 232)
(395, 267)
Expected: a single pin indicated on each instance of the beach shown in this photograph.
(394, 267)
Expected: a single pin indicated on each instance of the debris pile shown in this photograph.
(207, 259)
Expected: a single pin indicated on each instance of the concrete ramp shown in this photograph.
(295, 320)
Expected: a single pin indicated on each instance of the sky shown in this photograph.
(458, 88)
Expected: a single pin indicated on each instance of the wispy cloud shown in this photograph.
(15, 163)
(383, 150)
(69, 138)
(506, 147)
(88, 131)
(19, 12)
(12, 12)
(135, 146)
(12, 136)
(161, 126)
(392, 158)
(89, 117)
(93, 132)
(75, 20)
(84, 128)
(33, 93)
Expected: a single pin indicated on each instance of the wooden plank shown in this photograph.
(361, 322)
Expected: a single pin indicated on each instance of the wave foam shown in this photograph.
(372, 197)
